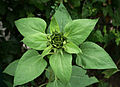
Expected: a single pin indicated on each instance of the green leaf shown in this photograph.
(29, 26)
(62, 65)
(11, 68)
(110, 72)
(80, 79)
(62, 16)
(104, 84)
(54, 25)
(57, 83)
(78, 30)
(94, 57)
(9, 84)
(75, 3)
(116, 18)
(30, 66)
(72, 48)
(36, 41)
(50, 74)
(46, 51)
(96, 36)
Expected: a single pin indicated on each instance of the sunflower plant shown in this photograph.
(58, 46)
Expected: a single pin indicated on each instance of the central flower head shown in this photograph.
(57, 40)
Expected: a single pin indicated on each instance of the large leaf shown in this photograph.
(30, 66)
(80, 79)
(62, 16)
(36, 41)
(29, 26)
(54, 25)
(94, 57)
(11, 68)
(72, 48)
(62, 65)
(78, 30)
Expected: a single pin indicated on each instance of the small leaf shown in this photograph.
(80, 79)
(104, 84)
(62, 65)
(36, 41)
(50, 74)
(11, 68)
(110, 72)
(30, 66)
(94, 57)
(72, 48)
(78, 30)
(29, 26)
(54, 25)
(46, 51)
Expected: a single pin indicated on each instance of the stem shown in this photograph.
(51, 53)
(55, 50)
(43, 84)
(118, 62)
(55, 77)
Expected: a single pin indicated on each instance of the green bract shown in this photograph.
(64, 38)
